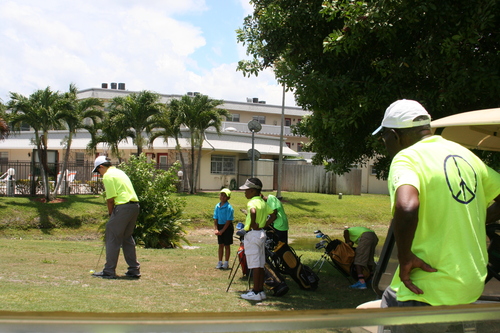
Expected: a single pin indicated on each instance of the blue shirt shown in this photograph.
(223, 213)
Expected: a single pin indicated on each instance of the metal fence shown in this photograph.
(25, 179)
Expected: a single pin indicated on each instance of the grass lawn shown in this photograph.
(47, 251)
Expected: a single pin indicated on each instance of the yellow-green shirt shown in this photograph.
(118, 186)
(455, 188)
(262, 211)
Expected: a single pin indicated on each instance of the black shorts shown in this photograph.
(282, 235)
(227, 237)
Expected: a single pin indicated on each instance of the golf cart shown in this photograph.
(474, 130)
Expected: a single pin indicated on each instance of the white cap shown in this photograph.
(100, 160)
(401, 114)
(249, 184)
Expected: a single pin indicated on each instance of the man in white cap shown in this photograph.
(123, 209)
(439, 193)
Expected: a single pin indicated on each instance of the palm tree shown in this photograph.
(136, 111)
(4, 128)
(167, 124)
(77, 114)
(109, 132)
(198, 113)
(40, 111)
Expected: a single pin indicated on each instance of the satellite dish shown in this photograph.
(256, 154)
(254, 126)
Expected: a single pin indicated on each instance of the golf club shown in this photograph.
(92, 271)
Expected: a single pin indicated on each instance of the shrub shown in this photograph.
(159, 224)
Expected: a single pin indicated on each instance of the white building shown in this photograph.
(224, 158)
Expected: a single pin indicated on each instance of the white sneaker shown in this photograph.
(252, 296)
(219, 265)
(225, 265)
(262, 295)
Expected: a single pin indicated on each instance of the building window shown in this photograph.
(221, 164)
(260, 119)
(80, 159)
(234, 117)
(4, 157)
(288, 144)
(373, 171)
(288, 122)
(299, 147)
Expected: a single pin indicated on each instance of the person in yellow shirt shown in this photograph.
(255, 236)
(366, 241)
(440, 194)
(123, 210)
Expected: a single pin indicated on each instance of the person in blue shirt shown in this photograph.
(223, 225)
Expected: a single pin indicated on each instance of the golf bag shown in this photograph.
(243, 259)
(290, 264)
(273, 280)
(342, 256)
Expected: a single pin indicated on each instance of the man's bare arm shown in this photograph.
(405, 223)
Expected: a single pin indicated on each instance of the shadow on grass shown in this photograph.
(302, 204)
(330, 294)
(47, 213)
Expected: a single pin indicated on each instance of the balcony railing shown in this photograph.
(229, 126)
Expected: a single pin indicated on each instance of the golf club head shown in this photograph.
(240, 226)
(317, 232)
(320, 245)
(320, 235)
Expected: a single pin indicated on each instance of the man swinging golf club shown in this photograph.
(123, 209)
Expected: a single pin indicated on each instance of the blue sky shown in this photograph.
(167, 46)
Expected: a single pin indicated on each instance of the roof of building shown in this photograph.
(227, 142)
(258, 107)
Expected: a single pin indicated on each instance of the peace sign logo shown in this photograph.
(461, 178)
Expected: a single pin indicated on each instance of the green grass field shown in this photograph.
(47, 251)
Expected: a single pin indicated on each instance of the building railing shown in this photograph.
(228, 126)
(26, 179)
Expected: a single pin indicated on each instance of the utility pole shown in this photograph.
(280, 160)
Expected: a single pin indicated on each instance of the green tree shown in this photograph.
(4, 128)
(348, 60)
(110, 132)
(198, 113)
(41, 111)
(77, 114)
(167, 124)
(136, 112)
(159, 224)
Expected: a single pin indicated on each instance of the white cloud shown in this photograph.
(147, 45)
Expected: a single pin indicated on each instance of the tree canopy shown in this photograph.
(4, 128)
(348, 60)
(197, 113)
(42, 111)
(136, 112)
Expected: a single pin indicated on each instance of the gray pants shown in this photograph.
(118, 235)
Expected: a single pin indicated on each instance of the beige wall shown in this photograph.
(370, 183)
(210, 181)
